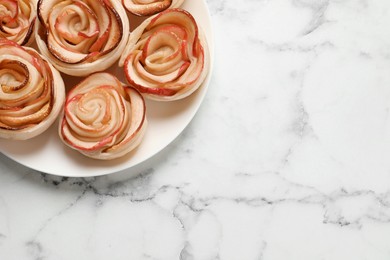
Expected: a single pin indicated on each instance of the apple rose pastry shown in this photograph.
(167, 56)
(82, 36)
(17, 19)
(32, 92)
(103, 119)
(150, 7)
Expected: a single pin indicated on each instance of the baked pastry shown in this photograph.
(32, 92)
(150, 7)
(82, 36)
(17, 20)
(167, 56)
(102, 119)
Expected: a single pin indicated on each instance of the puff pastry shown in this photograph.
(167, 56)
(150, 7)
(17, 20)
(32, 92)
(102, 119)
(82, 36)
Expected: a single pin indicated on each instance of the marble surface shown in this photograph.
(288, 157)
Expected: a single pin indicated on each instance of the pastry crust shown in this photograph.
(167, 56)
(102, 119)
(150, 7)
(32, 92)
(17, 20)
(84, 36)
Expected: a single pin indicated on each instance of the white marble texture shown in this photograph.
(288, 157)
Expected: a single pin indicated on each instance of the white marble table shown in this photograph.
(288, 157)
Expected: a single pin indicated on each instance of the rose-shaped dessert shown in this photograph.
(17, 19)
(150, 7)
(167, 56)
(82, 36)
(32, 92)
(103, 119)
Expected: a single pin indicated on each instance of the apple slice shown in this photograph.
(29, 100)
(17, 20)
(103, 119)
(150, 7)
(82, 36)
(167, 56)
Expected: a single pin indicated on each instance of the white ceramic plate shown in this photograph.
(46, 153)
